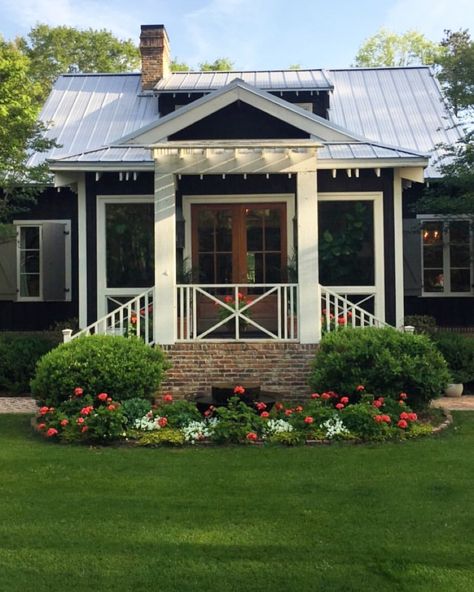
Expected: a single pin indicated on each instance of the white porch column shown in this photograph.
(398, 237)
(308, 272)
(164, 317)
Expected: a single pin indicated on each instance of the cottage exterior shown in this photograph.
(238, 207)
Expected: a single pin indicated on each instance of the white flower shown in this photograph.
(198, 430)
(147, 423)
(334, 427)
(276, 426)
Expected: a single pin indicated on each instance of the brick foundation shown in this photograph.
(279, 367)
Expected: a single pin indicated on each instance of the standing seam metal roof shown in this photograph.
(395, 106)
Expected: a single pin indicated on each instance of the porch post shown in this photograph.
(308, 272)
(164, 317)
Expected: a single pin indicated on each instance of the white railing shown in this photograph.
(237, 312)
(134, 318)
(338, 311)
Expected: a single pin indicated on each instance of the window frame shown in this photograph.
(446, 220)
(19, 224)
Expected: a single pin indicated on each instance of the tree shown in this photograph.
(177, 66)
(222, 64)
(20, 132)
(386, 48)
(457, 69)
(56, 50)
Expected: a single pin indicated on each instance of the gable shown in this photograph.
(239, 121)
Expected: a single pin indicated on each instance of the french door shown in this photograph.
(239, 243)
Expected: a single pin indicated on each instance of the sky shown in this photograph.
(254, 34)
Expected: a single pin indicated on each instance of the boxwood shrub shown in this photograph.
(458, 351)
(385, 361)
(125, 368)
(18, 356)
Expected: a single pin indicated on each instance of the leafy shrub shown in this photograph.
(287, 438)
(178, 413)
(359, 420)
(135, 408)
(424, 324)
(18, 357)
(385, 361)
(458, 351)
(235, 421)
(99, 363)
(166, 437)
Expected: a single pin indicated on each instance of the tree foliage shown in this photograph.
(457, 69)
(387, 48)
(56, 50)
(177, 66)
(220, 64)
(19, 132)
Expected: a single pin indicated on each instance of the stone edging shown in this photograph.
(446, 423)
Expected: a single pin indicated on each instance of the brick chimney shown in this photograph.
(155, 52)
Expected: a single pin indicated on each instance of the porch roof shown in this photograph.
(329, 154)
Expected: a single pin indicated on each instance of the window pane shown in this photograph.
(272, 230)
(346, 243)
(223, 231)
(206, 269)
(433, 233)
(273, 268)
(254, 221)
(30, 285)
(459, 232)
(460, 256)
(460, 280)
(205, 231)
(29, 237)
(433, 255)
(224, 268)
(433, 280)
(29, 262)
(129, 245)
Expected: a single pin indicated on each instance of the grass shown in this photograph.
(383, 517)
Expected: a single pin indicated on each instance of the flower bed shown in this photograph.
(325, 418)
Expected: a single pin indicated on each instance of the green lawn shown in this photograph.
(392, 517)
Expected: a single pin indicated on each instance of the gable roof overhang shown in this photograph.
(237, 90)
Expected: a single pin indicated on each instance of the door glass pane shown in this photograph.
(346, 243)
(29, 238)
(272, 230)
(254, 224)
(129, 245)
(264, 244)
(223, 230)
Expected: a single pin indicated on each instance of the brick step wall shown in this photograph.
(280, 367)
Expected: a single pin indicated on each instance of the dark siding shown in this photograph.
(368, 181)
(239, 121)
(30, 316)
(108, 184)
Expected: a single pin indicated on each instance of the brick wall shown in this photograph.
(279, 367)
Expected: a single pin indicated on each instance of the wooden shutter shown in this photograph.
(55, 281)
(412, 257)
(8, 277)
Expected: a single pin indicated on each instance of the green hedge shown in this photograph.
(385, 361)
(126, 368)
(458, 351)
(19, 354)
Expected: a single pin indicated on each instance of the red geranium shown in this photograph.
(360, 388)
(64, 422)
(43, 410)
(378, 418)
(84, 429)
(309, 419)
(260, 406)
(252, 436)
(103, 397)
(51, 432)
(299, 409)
(264, 414)
(344, 400)
(377, 404)
(325, 396)
(386, 418)
(403, 396)
(239, 390)
(168, 398)
(78, 391)
(339, 406)
(111, 407)
(315, 396)
(41, 426)
(412, 416)
(80, 420)
(162, 422)
(404, 415)
(288, 412)
(86, 410)
(402, 424)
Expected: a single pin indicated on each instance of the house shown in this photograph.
(224, 214)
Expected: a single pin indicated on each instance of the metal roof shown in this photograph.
(86, 111)
(363, 150)
(281, 80)
(400, 107)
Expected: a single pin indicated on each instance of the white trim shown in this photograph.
(258, 198)
(398, 243)
(82, 251)
(102, 290)
(379, 246)
(32, 224)
(67, 259)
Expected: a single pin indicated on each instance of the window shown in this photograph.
(43, 261)
(447, 257)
